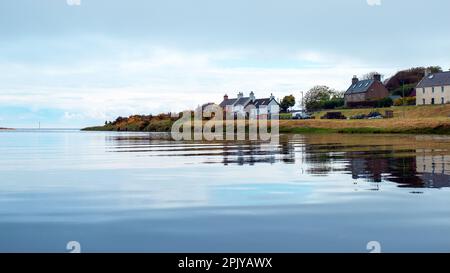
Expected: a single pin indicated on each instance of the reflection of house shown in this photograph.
(241, 104)
(434, 89)
(435, 169)
(365, 92)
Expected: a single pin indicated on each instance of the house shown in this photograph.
(263, 107)
(434, 88)
(365, 92)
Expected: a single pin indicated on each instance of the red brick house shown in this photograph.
(365, 92)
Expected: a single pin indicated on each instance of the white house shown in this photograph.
(240, 104)
(434, 89)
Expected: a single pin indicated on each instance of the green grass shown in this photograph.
(285, 116)
(440, 130)
(306, 130)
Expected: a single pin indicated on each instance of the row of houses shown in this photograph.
(434, 88)
(241, 104)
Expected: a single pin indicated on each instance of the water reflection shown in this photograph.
(409, 161)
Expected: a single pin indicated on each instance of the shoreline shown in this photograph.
(428, 119)
(386, 126)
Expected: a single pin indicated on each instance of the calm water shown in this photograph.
(128, 192)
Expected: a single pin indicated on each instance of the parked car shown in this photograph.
(301, 115)
(374, 115)
(371, 115)
(360, 116)
(333, 115)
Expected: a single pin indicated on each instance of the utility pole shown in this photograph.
(403, 97)
(302, 103)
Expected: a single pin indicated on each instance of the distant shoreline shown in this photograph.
(6, 129)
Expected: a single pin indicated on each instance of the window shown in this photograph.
(423, 90)
(442, 89)
(432, 101)
(432, 89)
(442, 100)
(423, 100)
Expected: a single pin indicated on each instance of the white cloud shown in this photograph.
(374, 2)
(160, 80)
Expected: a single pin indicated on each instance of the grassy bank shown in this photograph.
(394, 126)
(429, 119)
(137, 123)
(410, 112)
(407, 120)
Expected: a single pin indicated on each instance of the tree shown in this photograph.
(435, 69)
(317, 96)
(287, 102)
(370, 75)
(336, 100)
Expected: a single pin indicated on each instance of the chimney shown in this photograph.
(377, 77)
(427, 72)
(355, 80)
(225, 97)
(252, 96)
(240, 95)
(271, 96)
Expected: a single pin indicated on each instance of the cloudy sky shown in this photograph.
(73, 63)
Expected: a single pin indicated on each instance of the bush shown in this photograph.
(333, 103)
(407, 90)
(386, 102)
(405, 101)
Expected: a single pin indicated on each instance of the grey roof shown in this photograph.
(360, 87)
(227, 102)
(260, 102)
(436, 79)
(243, 101)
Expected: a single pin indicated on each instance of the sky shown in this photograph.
(76, 63)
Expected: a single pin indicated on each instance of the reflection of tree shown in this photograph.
(287, 151)
(321, 158)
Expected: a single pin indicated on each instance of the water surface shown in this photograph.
(135, 192)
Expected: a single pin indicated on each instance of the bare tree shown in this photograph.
(370, 75)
